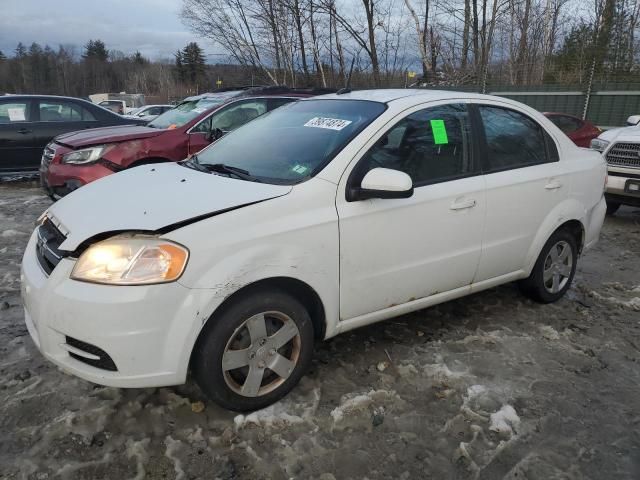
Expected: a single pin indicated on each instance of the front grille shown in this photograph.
(47, 156)
(105, 362)
(624, 155)
(48, 246)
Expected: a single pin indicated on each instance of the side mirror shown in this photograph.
(633, 120)
(214, 135)
(383, 183)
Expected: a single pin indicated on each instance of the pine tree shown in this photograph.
(95, 50)
(138, 59)
(2, 56)
(179, 66)
(20, 51)
(192, 58)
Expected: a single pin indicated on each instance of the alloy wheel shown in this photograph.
(261, 354)
(557, 267)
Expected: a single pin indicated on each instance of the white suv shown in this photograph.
(323, 216)
(621, 149)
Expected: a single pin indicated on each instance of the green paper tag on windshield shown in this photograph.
(439, 132)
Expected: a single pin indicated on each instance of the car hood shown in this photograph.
(100, 136)
(152, 198)
(631, 134)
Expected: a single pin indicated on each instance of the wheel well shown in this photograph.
(576, 229)
(300, 290)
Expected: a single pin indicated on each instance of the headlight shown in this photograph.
(86, 155)
(131, 261)
(599, 145)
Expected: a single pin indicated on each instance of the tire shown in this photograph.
(612, 207)
(255, 325)
(552, 273)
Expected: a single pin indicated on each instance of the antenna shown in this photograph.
(347, 87)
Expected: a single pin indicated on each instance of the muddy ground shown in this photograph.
(490, 386)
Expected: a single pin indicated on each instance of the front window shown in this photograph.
(185, 112)
(431, 145)
(293, 142)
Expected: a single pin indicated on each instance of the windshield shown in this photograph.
(293, 142)
(185, 112)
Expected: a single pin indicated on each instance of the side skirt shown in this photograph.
(377, 316)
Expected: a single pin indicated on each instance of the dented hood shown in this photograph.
(150, 198)
(99, 136)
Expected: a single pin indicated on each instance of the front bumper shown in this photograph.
(59, 179)
(147, 331)
(623, 186)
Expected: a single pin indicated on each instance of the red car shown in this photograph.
(581, 132)
(77, 158)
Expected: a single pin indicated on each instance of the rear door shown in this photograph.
(18, 149)
(524, 182)
(55, 117)
(225, 119)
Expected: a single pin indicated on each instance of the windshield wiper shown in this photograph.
(193, 163)
(229, 170)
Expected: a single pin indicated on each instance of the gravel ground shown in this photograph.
(489, 386)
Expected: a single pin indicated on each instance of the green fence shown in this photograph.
(606, 105)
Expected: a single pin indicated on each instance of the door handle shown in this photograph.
(24, 131)
(462, 204)
(553, 185)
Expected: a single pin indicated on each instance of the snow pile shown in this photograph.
(275, 415)
(11, 233)
(294, 409)
(549, 333)
(505, 421)
(353, 404)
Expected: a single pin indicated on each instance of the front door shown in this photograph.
(18, 149)
(394, 251)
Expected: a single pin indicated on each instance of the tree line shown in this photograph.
(96, 69)
(373, 43)
(453, 42)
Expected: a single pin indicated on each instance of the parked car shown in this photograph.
(29, 122)
(633, 120)
(580, 131)
(115, 106)
(77, 158)
(621, 149)
(326, 215)
(148, 112)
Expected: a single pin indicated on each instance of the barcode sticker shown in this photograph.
(328, 123)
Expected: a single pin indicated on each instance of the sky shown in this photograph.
(150, 26)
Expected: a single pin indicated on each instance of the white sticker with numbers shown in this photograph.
(328, 123)
(16, 114)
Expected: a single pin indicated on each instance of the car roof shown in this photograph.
(388, 95)
(45, 97)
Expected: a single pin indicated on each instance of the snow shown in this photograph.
(505, 421)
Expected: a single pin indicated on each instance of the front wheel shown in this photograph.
(255, 351)
(554, 270)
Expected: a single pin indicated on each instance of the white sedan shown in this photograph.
(325, 215)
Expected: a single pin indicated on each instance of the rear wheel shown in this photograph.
(554, 270)
(255, 351)
(612, 207)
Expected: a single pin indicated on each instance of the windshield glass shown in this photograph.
(293, 142)
(185, 112)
